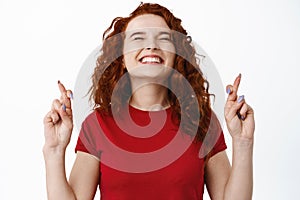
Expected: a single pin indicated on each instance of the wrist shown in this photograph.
(242, 152)
(242, 142)
(53, 152)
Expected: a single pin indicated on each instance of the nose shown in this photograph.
(149, 48)
(151, 44)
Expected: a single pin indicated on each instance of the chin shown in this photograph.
(151, 72)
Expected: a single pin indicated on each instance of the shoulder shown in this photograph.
(97, 115)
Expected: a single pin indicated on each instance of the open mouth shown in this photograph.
(151, 59)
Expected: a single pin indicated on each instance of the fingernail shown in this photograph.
(71, 95)
(241, 98)
(58, 82)
(64, 107)
(239, 115)
(240, 75)
(228, 90)
(242, 117)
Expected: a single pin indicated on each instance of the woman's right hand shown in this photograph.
(58, 123)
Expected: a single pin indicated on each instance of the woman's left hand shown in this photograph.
(239, 115)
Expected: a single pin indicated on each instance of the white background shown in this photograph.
(45, 41)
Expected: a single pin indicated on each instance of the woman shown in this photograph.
(151, 117)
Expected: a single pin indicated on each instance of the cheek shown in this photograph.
(129, 60)
(171, 60)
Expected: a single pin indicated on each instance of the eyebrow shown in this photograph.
(164, 33)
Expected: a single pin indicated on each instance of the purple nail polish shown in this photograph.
(241, 98)
(239, 115)
(71, 95)
(64, 107)
(228, 90)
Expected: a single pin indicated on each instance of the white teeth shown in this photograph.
(151, 60)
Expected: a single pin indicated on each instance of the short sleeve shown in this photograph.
(214, 141)
(217, 134)
(219, 146)
(87, 141)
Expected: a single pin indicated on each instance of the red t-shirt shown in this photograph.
(144, 155)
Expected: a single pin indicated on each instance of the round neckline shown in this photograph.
(167, 108)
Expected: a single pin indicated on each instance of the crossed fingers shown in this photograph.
(236, 105)
(61, 107)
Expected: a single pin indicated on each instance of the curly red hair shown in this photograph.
(109, 70)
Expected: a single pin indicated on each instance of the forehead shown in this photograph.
(147, 21)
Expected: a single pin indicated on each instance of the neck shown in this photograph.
(150, 97)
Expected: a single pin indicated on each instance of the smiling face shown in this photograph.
(148, 48)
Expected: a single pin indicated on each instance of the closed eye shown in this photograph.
(138, 38)
(165, 38)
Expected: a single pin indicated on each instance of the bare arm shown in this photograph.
(226, 182)
(83, 181)
(236, 182)
(84, 177)
(240, 182)
(217, 172)
(56, 181)
(58, 125)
